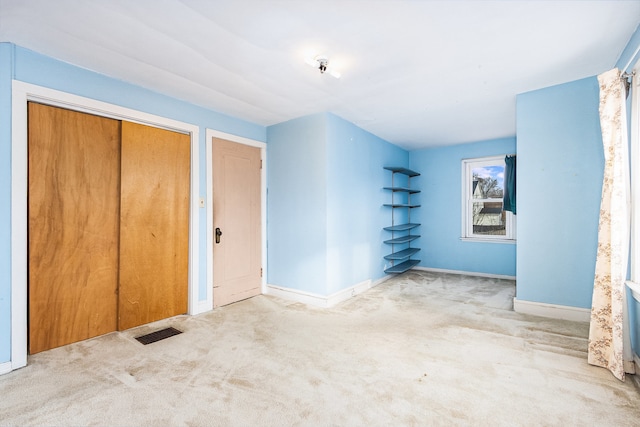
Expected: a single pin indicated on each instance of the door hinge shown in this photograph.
(260, 163)
(260, 272)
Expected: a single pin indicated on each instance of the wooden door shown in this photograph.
(237, 260)
(154, 224)
(74, 164)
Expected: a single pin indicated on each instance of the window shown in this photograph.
(635, 186)
(483, 217)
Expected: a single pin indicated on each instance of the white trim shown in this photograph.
(634, 155)
(345, 294)
(635, 53)
(19, 185)
(636, 378)
(203, 307)
(635, 289)
(466, 273)
(634, 160)
(483, 240)
(296, 295)
(212, 133)
(5, 368)
(23, 92)
(209, 135)
(317, 300)
(382, 280)
(553, 311)
(467, 199)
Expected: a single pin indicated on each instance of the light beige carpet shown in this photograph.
(419, 349)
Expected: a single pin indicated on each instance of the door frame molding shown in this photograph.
(22, 93)
(209, 135)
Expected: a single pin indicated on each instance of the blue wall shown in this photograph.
(325, 211)
(441, 211)
(297, 204)
(355, 215)
(325, 179)
(30, 67)
(560, 169)
(630, 54)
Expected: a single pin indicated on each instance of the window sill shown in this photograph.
(481, 240)
(635, 289)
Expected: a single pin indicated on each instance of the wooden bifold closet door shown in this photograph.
(108, 225)
(74, 184)
(154, 227)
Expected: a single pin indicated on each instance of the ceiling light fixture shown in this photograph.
(322, 63)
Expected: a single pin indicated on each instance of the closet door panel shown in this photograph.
(154, 224)
(74, 174)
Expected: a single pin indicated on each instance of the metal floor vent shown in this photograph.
(158, 335)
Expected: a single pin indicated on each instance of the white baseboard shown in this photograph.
(636, 377)
(382, 280)
(296, 295)
(323, 301)
(203, 307)
(466, 273)
(347, 293)
(5, 368)
(553, 311)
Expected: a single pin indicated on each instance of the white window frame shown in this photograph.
(634, 205)
(467, 203)
(634, 282)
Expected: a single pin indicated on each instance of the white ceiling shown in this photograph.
(416, 73)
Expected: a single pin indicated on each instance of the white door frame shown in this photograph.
(210, 134)
(21, 94)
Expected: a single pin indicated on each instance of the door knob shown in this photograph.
(218, 234)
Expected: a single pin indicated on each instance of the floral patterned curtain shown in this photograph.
(609, 323)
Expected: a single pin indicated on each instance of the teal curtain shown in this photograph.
(509, 199)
